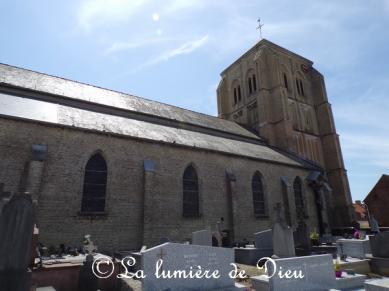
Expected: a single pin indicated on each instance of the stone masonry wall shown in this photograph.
(123, 225)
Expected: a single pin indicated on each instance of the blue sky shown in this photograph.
(174, 50)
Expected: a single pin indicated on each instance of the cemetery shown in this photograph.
(268, 262)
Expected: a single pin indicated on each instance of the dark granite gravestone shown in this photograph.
(264, 240)
(379, 244)
(263, 248)
(87, 281)
(16, 229)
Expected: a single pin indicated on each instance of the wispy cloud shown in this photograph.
(137, 43)
(184, 49)
(93, 12)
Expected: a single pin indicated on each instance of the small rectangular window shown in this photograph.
(235, 96)
(286, 81)
(239, 94)
(254, 83)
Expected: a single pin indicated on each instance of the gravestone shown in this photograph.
(87, 280)
(348, 281)
(379, 244)
(264, 240)
(16, 230)
(250, 255)
(180, 257)
(356, 248)
(318, 274)
(283, 243)
(202, 238)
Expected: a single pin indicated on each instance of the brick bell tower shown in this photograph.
(279, 95)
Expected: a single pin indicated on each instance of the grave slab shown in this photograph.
(317, 270)
(377, 285)
(356, 248)
(180, 257)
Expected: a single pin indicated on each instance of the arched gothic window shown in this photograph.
(237, 92)
(285, 81)
(252, 82)
(191, 205)
(258, 195)
(95, 184)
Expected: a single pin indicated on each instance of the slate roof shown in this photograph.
(22, 103)
(18, 77)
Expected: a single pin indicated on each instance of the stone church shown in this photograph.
(130, 171)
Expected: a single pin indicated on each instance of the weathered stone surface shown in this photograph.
(16, 229)
(379, 244)
(357, 248)
(61, 190)
(283, 244)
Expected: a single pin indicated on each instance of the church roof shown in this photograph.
(68, 89)
(42, 98)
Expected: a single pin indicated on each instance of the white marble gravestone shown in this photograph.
(318, 274)
(180, 257)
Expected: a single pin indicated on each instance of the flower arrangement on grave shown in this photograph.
(338, 271)
(314, 238)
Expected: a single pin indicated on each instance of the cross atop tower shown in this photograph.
(260, 27)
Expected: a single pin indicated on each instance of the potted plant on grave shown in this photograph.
(314, 238)
(338, 271)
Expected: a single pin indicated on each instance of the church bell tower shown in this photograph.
(280, 96)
